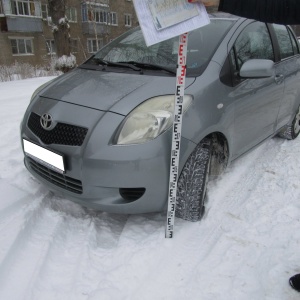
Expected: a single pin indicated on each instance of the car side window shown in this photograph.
(253, 42)
(284, 40)
(294, 42)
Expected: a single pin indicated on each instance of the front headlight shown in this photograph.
(149, 120)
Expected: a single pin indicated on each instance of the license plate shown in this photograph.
(46, 157)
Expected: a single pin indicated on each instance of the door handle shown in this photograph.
(279, 78)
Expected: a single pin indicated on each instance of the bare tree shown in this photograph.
(61, 32)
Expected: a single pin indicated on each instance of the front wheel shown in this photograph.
(290, 132)
(192, 182)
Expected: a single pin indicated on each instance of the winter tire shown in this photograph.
(192, 182)
(290, 132)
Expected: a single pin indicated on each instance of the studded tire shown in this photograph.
(290, 132)
(192, 182)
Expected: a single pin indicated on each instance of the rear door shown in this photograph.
(288, 66)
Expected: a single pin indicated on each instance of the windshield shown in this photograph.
(202, 43)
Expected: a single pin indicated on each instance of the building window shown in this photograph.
(94, 13)
(113, 19)
(103, 17)
(93, 46)
(99, 16)
(74, 45)
(71, 14)
(21, 46)
(24, 8)
(127, 20)
(51, 47)
(44, 8)
(84, 12)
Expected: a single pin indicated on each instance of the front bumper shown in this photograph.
(126, 179)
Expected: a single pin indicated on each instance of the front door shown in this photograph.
(256, 100)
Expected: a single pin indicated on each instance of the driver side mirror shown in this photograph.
(257, 68)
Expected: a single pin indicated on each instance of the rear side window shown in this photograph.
(284, 40)
(294, 42)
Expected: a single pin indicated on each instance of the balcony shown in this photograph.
(93, 28)
(95, 17)
(21, 16)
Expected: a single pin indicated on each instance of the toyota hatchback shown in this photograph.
(101, 134)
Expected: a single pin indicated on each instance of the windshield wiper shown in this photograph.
(113, 64)
(150, 66)
(134, 65)
(97, 60)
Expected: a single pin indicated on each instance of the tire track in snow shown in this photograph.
(50, 239)
(99, 252)
(54, 275)
(19, 201)
(13, 212)
(27, 250)
(73, 261)
(125, 266)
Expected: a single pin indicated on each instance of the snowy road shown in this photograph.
(246, 247)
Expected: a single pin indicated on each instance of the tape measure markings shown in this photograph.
(176, 133)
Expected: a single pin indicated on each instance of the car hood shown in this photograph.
(109, 91)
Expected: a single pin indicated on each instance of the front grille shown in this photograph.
(131, 194)
(58, 179)
(62, 134)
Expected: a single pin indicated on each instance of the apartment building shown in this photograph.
(26, 31)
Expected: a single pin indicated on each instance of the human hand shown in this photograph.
(206, 2)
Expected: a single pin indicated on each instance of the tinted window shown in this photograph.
(202, 44)
(253, 43)
(284, 41)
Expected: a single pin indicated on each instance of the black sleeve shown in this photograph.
(271, 11)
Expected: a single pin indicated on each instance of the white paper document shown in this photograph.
(163, 19)
(170, 12)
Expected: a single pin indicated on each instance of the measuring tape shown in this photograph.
(176, 134)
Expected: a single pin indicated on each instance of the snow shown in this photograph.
(54, 28)
(246, 247)
(65, 61)
(62, 21)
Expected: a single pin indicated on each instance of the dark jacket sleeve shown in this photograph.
(271, 11)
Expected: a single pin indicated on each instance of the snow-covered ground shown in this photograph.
(246, 247)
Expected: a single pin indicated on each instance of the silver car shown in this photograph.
(101, 134)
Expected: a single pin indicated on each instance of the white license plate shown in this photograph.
(46, 157)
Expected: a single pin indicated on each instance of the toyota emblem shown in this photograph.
(46, 121)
